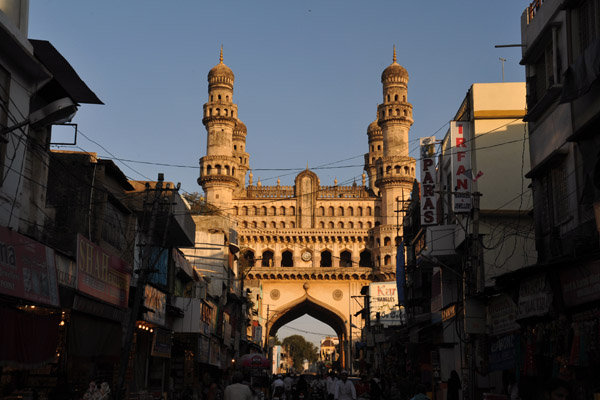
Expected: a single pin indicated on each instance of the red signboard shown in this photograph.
(27, 269)
(102, 275)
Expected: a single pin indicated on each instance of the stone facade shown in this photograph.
(315, 246)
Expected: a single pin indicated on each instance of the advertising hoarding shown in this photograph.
(383, 300)
(102, 275)
(27, 269)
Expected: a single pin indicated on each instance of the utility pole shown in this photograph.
(473, 284)
(502, 60)
(144, 273)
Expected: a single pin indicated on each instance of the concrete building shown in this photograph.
(454, 257)
(558, 295)
(314, 246)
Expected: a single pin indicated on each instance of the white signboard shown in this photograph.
(460, 139)
(429, 197)
(383, 300)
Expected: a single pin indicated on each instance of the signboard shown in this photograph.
(581, 285)
(159, 261)
(448, 313)
(102, 275)
(502, 352)
(460, 151)
(161, 343)
(257, 334)
(502, 315)
(535, 297)
(27, 269)
(156, 301)
(383, 297)
(66, 271)
(429, 197)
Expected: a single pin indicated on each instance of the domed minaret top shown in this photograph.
(394, 72)
(220, 74)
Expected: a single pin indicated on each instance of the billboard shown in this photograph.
(383, 300)
(429, 197)
(27, 269)
(460, 139)
(102, 275)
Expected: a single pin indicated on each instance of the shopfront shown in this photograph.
(30, 332)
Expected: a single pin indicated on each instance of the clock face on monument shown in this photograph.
(306, 256)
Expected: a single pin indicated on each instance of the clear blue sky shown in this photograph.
(307, 75)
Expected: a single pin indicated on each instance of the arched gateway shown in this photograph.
(315, 246)
(329, 301)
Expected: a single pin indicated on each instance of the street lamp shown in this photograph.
(57, 112)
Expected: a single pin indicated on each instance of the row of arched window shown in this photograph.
(264, 210)
(217, 112)
(322, 224)
(326, 258)
(389, 98)
(397, 170)
(219, 170)
(330, 211)
(396, 112)
(212, 97)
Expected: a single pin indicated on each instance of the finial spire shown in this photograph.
(221, 56)
(394, 53)
(307, 165)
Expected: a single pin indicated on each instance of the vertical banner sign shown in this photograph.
(461, 166)
(428, 180)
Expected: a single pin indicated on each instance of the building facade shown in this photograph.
(311, 247)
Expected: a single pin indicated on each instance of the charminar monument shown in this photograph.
(315, 246)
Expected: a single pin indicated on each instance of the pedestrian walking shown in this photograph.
(376, 389)
(420, 393)
(237, 390)
(344, 389)
(453, 386)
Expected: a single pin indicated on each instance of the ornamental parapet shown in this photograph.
(311, 273)
(249, 235)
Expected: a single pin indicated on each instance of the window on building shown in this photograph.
(345, 259)
(267, 259)
(365, 259)
(287, 259)
(115, 227)
(326, 258)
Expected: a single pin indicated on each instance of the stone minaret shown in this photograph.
(219, 169)
(395, 170)
(242, 157)
(375, 153)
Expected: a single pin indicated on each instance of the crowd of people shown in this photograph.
(332, 386)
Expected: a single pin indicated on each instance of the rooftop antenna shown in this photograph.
(502, 60)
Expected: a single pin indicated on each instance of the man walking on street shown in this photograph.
(344, 389)
(237, 390)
